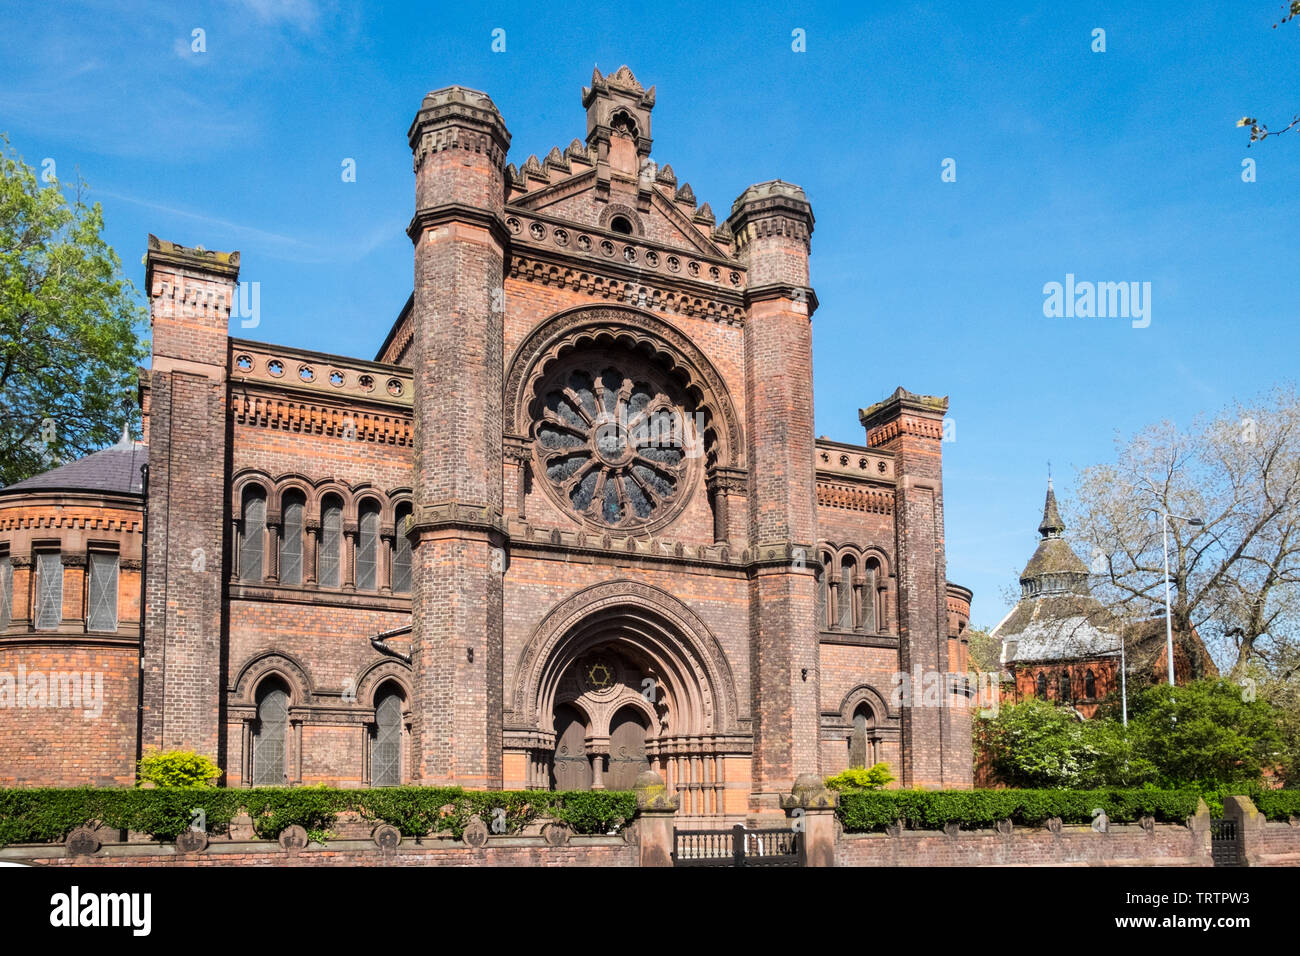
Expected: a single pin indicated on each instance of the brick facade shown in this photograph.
(728, 600)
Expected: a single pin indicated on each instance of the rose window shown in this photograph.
(614, 445)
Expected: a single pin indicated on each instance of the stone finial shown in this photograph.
(652, 793)
(810, 793)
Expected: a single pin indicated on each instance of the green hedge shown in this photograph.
(981, 809)
(1278, 804)
(47, 815)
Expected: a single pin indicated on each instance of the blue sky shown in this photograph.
(1115, 166)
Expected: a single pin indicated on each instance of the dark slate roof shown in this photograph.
(114, 470)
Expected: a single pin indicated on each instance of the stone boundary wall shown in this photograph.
(498, 851)
(1160, 844)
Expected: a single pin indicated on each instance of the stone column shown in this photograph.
(311, 531)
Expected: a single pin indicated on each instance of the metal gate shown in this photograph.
(737, 847)
(1225, 843)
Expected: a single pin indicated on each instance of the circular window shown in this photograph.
(306, 373)
(614, 442)
(336, 378)
(366, 382)
(244, 363)
(275, 367)
(394, 386)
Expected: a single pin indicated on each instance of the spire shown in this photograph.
(1052, 525)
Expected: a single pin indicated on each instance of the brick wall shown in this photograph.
(1128, 845)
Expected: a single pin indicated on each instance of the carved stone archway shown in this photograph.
(624, 649)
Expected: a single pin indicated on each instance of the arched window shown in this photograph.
(871, 578)
(845, 605)
(270, 736)
(621, 224)
(368, 546)
(1042, 686)
(859, 742)
(1089, 685)
(1065, 686)
(331, 542)
(402, 553)
(386, 745)
(293, 507)
(825, 606)
(252, 534)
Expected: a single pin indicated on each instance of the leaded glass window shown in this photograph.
(368, 547)
(846, 596)
(252, 537)
(6, 591)
(1041, 686)
(1089, 685)
(869, 615)
(386, 758)
(49, 591)
(271, 736)
(402, 555)
(1065, 686)
(331, 542)
(291, 539)
(102, 614)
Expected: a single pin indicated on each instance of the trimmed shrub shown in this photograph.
(865, 811)
(48, 815)
(177, 768)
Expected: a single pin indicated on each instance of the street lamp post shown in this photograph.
(1169, 623)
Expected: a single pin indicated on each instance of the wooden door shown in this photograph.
(571, 767)
(627, 757)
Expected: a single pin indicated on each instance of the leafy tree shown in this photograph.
(1038, 744)
(68, 317)
(1206, 734)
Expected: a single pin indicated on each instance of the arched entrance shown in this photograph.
(633, 676)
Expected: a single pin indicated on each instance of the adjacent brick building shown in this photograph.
(570, 523)
(1061, 643)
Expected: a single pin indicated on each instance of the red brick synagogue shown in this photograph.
(569, 523)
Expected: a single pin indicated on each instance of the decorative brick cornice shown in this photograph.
(309, 418)
(855, 499)
(909, 425)
(771, 209)
(427, 218)
(637, 292)
(458, 118)
(73, 559)
(775, 292)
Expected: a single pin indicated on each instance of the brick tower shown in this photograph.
(190, 294)
(936, 728)
(772, 224)
(459, 142)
